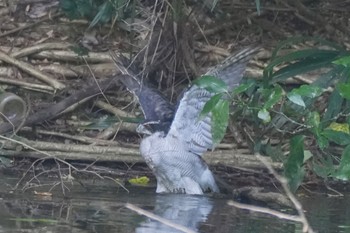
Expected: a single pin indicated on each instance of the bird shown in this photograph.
(177, 137)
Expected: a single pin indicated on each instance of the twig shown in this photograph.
(116, 111)
(29, 25)
(32, 86)
(62, 147)
(116, 181)
(38, 48)
(66, 56)
(296, 203)
(158, 218)
(266, 211)
(31, 70)
(47, 156)
(82, 139)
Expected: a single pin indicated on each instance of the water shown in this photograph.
(101, 208)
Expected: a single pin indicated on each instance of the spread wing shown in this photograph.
(157, 110)
(197, 134)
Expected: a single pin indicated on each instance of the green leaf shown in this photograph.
(242, 88)
(335, 103)
(338, 137)
(344, 90)
(274, 96)
(293, 168)
(299, 68)
(301, 39)
(313, 119)
(211, 84)
(308, 91)
(307, 155)
(309, 59)
(344, 61)
(210, 105)
(264, 115)
(296, 99)
(322, 142)
(303, 54)
(325, 168)
(220, 115)
(343, 171)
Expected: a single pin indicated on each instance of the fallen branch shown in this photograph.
(38, 48)
(233, 158)
(31, 70)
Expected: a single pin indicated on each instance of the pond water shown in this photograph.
(101, 208)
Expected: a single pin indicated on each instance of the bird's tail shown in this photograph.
(231, 70)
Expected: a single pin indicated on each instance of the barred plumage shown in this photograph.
(174, 151)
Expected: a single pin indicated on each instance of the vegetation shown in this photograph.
(315, 116)
(304, 125)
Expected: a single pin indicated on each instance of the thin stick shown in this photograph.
(265, 211)
(29, 25)
(26, 84)
(158, 218)
(296, 203)
(31, 70)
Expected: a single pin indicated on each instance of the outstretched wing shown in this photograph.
(186, 126)
(158, 111)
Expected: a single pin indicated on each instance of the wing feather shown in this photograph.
(186, 126)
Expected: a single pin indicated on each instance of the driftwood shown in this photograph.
(234, 158)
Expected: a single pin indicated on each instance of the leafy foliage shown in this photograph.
(294, 169)
(314, 114)
(98, 11)
(218, 106)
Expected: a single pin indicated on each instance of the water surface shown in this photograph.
(99, 207)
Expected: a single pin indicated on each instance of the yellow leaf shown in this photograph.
(143, 180)
(339, 127)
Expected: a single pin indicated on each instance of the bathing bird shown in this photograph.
(177, 137)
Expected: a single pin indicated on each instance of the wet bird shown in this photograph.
(178, 137)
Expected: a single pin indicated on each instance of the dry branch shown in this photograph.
(234, 158)
(31, 70)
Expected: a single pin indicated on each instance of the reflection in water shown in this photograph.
(100, 208)
(185, 210)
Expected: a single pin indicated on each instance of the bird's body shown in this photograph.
(176, 168)
(173, 151)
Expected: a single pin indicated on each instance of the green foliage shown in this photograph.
(217, 105)
(343, 171)
(98, 11)
(272, 107)
(293, 167)
(211, 84)
(344, 90)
